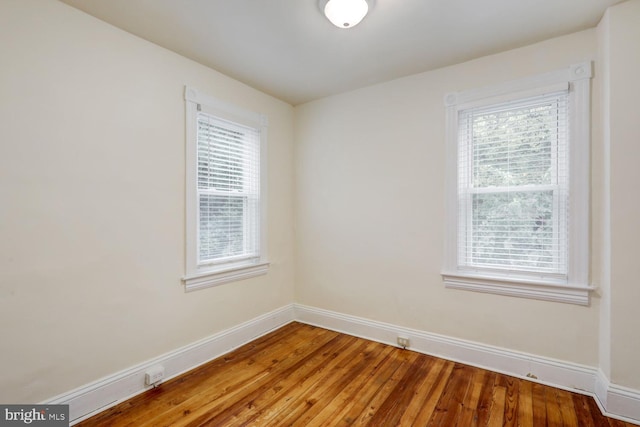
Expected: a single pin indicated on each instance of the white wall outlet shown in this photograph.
(403, 342)
(154, 375)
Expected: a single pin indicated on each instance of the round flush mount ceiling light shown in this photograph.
(344, 13)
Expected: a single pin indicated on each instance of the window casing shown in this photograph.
(225, 192)
(517, 187)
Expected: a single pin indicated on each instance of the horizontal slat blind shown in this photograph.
(513, 185)
(228, 190)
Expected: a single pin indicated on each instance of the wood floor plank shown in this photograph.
(496, 415)
(343, 401)
(423, 391)
(539, 405)
(230, 388)
(554, 415)
(360, 394)
(617, 423)
(225, 409)
(450, 404)
(405, 360)
(286, 387)
(391, 410)
(213, 379)
(486, 399)
(511, 401)
(581, 408)
(322, 393)
(430, 403)
(469, 415)
(525, 404)
(567, 410)
(306, 376)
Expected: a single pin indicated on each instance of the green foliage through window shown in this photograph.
(513, 184)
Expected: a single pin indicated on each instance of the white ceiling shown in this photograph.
(288, 49)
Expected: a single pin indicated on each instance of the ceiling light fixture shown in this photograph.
(344, 13)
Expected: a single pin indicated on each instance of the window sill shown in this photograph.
(215, 278)
(546, 291)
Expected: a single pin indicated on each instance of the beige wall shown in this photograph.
(92, 202)
(621, 37)
(601, 195)
(370, 210)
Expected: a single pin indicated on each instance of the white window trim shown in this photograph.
(203, 276)
(575, 288)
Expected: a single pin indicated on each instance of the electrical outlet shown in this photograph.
(403, 342)
(154, 375)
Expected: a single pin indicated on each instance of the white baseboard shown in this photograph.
(97, 396)
(559, 374)
(614, 401)
(623, 403)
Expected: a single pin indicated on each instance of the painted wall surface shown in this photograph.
(92, 211)
(623, 139)
(601, 195)
(370, 210)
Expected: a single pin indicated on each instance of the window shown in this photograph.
(517, 191)
(225, 197)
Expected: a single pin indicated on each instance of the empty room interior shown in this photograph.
(443, 182)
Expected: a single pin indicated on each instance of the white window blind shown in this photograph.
(513, 187)
(228, 190)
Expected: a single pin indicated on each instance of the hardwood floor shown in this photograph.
(301, 375)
